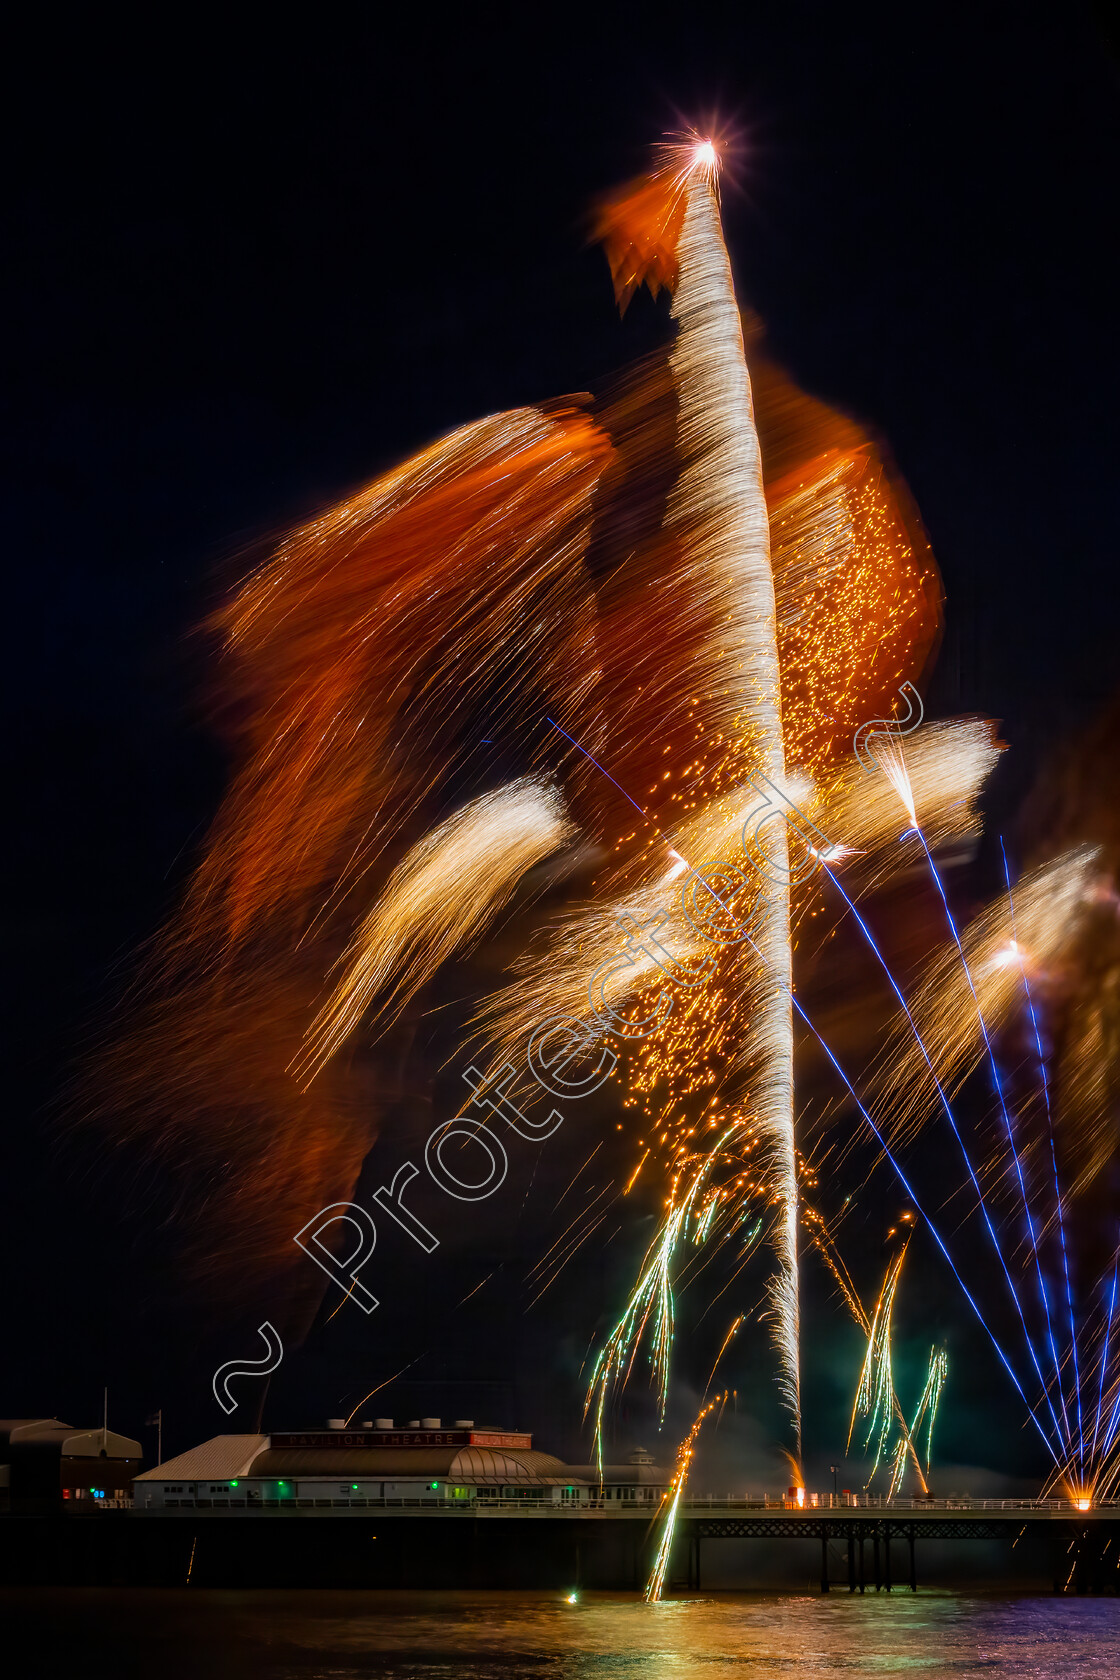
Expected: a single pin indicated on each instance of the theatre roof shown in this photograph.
(215, 1460)
(469, 1464)
(228, 1456)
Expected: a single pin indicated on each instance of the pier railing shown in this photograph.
(729, 1504)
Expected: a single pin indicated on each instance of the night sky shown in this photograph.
(248, 269)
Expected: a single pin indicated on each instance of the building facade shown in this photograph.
(45, 1462)
(419, 1463)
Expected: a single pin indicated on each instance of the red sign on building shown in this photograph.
(403, 1438)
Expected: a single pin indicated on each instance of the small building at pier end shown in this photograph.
(44, 1462)
(420, 1462)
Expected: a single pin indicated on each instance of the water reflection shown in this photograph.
(499, 1636)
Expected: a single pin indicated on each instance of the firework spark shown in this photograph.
(531, 577)
(875, 1397)
(651, 1304)
(656, 1583)
(444, 892)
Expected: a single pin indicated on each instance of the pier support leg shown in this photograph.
(824, 1557)
(878, 1576)
(913, 1561)
(862, 1570)
(887, 1556)
(851, 1559)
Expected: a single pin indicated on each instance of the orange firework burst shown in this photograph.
(700, 583)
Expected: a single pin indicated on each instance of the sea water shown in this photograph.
(313, 1635)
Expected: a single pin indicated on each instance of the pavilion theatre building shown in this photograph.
(382, 1463)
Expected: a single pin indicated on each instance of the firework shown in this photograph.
(652, 1299)
(977, 985)
(875, 1397)
(947, 1012)
(930, 1399)
(656, 1583)
(715, 550)
(339, 826)
(442, 894)
(650, 625)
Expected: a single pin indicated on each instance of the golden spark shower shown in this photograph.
(602, 712)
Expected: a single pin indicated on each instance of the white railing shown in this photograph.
(870, 1502)
(696, 1506)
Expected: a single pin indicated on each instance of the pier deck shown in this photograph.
(860, 1545)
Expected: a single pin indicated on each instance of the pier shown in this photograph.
(864, 1545)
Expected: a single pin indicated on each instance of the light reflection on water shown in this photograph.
(501, 1636)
